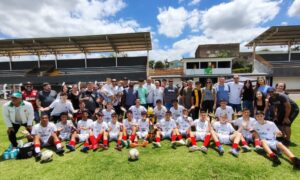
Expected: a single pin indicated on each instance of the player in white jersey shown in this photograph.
(108, 112)
(44, 134)
(143, 126)
(130, 126)
(245, 126)
(115, 131)
(268, 132)
(227, 134)
(84, 127)
(224, 109)
(184, 123)
(159, 111)
(176, 109)
(137, 109)
(65, 128)
(167, 129)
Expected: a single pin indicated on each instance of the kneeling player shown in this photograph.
(130, 125)
(115, 131)
(227, 134)
(267, 132)
(45, 135)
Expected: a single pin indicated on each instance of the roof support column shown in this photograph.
(289, 50)
(147, 68)
(116, 56)
(253, 54)
(10, 62)
(55, 54)
(39, 60)
(85, 60)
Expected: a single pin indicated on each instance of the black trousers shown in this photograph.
(12, 135)
(208, 105)
(195, 113)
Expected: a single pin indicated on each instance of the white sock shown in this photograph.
(58, 146)
(37, 149)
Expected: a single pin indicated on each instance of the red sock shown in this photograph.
(37, 145)
(119, 142)
(124, 138)
(193, 141)
(218, 143)
(187, 135)
(105, 142)
(135, 142)
(244, 143)
(173, 138)
(272, 154)
(206, 140)
(73, 143)
(92, 139)
(56, 142)
(158, 139)
(99, 137)
(257, 142)
(235, 145)
(132, 137)
(179, 137)
(86, 144)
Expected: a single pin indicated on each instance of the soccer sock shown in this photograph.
(218, 143)
(187, 136)
(86, 144)
(235, 145)
(158, 139)
(272, 154)
(132, 137)
(292, 158)
(206, 140)
(193, 141)
(173, 138)
(105, 142)
(99, 137)
(37, 148)
(92, 139)
(72, 143)
(57, 144)
(257, 142)
(136, 142)
(124, 138)
(119, 142)
(244, 143)
(179, 137)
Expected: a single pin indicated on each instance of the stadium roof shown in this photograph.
(278, 35)
(140, 41)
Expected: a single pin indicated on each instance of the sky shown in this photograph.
(177, 26)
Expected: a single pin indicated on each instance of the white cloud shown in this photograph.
(194, 2)
(294, 9)
(172, 21)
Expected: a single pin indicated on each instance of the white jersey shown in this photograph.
(228, 110)
(223, 129)
(129, 124)
(150, 89)
(118, 90)
(66, 129)
(158, 93)
(85, 126)
(201, 126)
(184, 123)
(160, 113)
(44, 132)
(98, 127)
(136, 111)
(107, 115)
(115, 128)
(235, 92)
(176, 113)
(167, 126)
(246, 126)
(58, 107)
(143, 125)
(266, 131)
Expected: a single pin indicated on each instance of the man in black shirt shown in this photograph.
(90, 98)
(196, 100)
(46, 97)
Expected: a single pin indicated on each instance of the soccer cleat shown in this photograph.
(60, 150)
(145, 143)
(180, 143)
(105, 147)
(124, 143)
(296, 162)
(246, 148)
(85, 149)
(173, 145)
(258, 149)
(70, 147)
(275, 160)
(234, 152)
(188, 142)
(221, 150)
(118, 147)
(156, 144)
(38, 156)
(194, 148)
(203, 149)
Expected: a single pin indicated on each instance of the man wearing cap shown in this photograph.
(31, 95)
(46, 96)
(170, 94)
(17, 113)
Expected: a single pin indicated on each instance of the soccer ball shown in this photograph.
(47, 156)
(133, 155)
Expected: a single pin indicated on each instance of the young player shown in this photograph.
(65, 127)
(176, 109)
(130, 125)
(108, 112)
(143, 127)
(115, 130)
(268, 132)
(159, 111)
(224, 109)
(44, 134)
(226, 133)
(184, 123)
(137, 109)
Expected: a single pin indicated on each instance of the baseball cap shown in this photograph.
(16, 95)
(271, 89)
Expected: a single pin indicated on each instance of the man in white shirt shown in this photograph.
(150, 89)
(158, 93)
(235, 89)
(224, 109)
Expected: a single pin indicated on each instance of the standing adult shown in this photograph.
(170, 94)
(158, 93)
(150, 89)
(46, 97)
(180, 92)
(208, 99)
(262, 85)
(196, 100)
(222, 90)
(74, 96)
(31, 95)
(235, 89)
(187, 95)
(89, 96)
(142, 93)
(17, 113)
(129, 96)
(248, 96)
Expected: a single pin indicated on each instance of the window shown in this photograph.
(224, 64)
(204, 65)
(192, 65)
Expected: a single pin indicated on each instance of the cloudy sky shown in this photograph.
(176, 26)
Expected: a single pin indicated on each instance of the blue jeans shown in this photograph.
(36, 116)
(249, 105)
(168, 106)
(236, 107)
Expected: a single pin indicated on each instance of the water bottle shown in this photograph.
(13, 154)
(6, 155)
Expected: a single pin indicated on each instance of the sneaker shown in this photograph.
(105, 147)
(194, 148)
(124, 143)
(173, 145)
(246, 148)
(70, 147)
(221, 150)
(275, 160)
(156, 144)
(234, 152)
(60, 150)
(118, 147)
(85, 149)
(188, 142)
(145, 143)
(258, 149)
(203, 149)
(180, 143)
(296, 162)
(38, 156)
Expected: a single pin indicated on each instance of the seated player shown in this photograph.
(176, 109)
(201, 131)
(108, 112)
(65, 127)
(143, 128)
(167, 129)
(268, 132)
(159, 111)
(224, 109)
(83, 130)
(130, 127)
(78, 115)
(44, 134)
(226, 134)
(137, 109)
(245, 126)
(184, 123)
(115, 131)
(98, 133)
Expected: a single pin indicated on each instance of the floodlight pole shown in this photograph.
(254, 53)
(55, 54)
(289, 50)
(147, 68)
(116, 59)
(10, 62)
(39, 60)
(85, 60)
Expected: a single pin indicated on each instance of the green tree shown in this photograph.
(151, 64)
(159, 65)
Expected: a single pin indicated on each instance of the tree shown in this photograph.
(166, 62)
(151, 64)
(159, 65)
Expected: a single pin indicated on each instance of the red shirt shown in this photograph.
(31, 97)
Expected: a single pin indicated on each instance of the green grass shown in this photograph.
(163, 163)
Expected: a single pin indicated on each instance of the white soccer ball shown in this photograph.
(47, 156)
(133, 155)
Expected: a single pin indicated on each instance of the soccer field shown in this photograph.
(163, 163)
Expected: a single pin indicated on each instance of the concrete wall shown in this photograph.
(292, 83)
